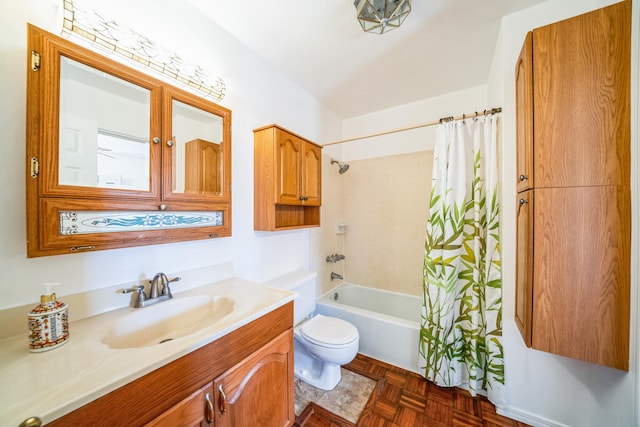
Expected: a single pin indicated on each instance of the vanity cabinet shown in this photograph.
(287, 180)
(195, 410)
(244, 378)
(573, 181)
(109, 163)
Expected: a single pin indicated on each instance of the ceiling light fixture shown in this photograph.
(380, 16)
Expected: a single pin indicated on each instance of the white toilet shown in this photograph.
(321, 343)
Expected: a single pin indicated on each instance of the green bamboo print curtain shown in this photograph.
(461, 331)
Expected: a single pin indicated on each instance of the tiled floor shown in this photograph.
(405, 399)
(347, 400)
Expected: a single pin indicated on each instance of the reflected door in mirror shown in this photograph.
(196, 152)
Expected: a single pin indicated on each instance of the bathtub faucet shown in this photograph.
(336, 276)
(335, 258)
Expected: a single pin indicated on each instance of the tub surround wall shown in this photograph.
(385, 192)
(386, 206)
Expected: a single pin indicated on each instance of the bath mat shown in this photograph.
(347, 400)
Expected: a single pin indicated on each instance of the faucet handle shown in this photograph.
(140, 295)
(166, 290)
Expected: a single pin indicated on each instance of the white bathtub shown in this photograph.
(388, 322)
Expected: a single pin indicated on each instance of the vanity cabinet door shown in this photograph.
(194, 411)
(258, 390)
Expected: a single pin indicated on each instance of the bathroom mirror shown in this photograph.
(117, 158)
(197, 135)
(103, 131)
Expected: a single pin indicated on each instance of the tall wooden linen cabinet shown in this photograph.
(573, 182)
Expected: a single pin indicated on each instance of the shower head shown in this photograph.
(343, 167)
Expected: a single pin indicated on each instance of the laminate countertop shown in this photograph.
(52, 383)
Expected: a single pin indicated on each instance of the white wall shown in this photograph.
(256, 94)
(540, 387)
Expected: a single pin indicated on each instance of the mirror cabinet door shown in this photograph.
(197, 150)
(104, 130)
(107, 120)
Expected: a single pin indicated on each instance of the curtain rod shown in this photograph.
(421, 125)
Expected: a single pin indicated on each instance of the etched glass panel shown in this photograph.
(88, 222)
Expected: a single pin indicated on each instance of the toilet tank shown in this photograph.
(302, 282)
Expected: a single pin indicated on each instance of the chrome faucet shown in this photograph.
(336, 276)
(159, 279)
(159, 290)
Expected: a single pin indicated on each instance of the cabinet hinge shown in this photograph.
(35, 167)
(35, 61)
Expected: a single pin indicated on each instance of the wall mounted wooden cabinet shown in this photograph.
(109, 162)
(574, 203)
(287, 180)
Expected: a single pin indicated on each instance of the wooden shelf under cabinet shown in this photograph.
(287, 180)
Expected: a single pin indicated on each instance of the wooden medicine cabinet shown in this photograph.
(287, 180)
(116, 158)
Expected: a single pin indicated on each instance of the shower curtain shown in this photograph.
(461, 330)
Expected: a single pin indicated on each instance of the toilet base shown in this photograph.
(322, 375)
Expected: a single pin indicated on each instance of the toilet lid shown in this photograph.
(324, 330)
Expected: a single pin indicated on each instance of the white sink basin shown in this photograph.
(167, 320)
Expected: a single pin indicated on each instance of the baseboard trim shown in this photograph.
(528, 417)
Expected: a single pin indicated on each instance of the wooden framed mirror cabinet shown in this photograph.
(116, 158)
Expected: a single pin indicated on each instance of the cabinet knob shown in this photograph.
(163, 207)
(523, 177)
(31, 422)
(169, 143)
(523, 202)
(156, 140)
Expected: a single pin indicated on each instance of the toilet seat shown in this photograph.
(329, 331)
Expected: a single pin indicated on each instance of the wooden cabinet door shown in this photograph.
(189, 121)
(194, 411)
(289, 164)
(582, 99)
(259, 390)
(581, 273)
(524, 264)
(312, 175)
(524, 115)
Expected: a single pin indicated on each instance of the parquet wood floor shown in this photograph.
(406, 399)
